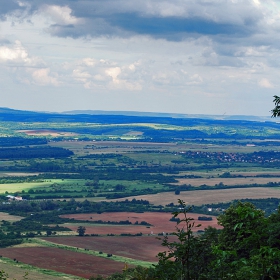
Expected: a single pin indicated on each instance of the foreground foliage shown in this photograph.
(276, 110)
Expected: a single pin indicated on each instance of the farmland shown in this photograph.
(78, 264)
(121, 178)
(19, 270)
(228, 181)
(210, 196)
(155, 222)
(10, 218)
(126, 246)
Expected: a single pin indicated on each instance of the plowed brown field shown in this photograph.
(136, 247)
(159, 222)
(69, 262)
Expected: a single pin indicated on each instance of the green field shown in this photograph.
(13, 188)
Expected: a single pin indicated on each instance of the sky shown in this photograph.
(219, 57)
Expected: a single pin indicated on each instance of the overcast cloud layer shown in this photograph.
(193, 57)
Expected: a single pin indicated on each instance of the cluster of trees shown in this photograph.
(248, 247)
(26, 225)
(103, 156)
(47, 211)
(34, 152)
(21, 141)
(81, 230)
(107, 173)
(204, 218)
(10, 238)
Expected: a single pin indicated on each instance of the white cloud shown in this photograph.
(16, 53)
(257, 2)
(42, 77)
(89, 61)
(195, 79)
(114, 73)
(265, 83)
(132, 67)
(80, 75)
(99, 77)
(252, 51)
(106, 74)
(118, 82)
(161, 78)
(25, 68)
(60, 14)
(167, 8)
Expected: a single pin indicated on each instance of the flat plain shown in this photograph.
(200, 197)
(127, 161)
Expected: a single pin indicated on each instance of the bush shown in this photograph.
(204, 218)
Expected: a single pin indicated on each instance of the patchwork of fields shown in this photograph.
(64, 261)
(87, 256)
(121, 181)
(209, 196)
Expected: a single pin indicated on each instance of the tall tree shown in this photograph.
(81, 230)
(243, 225)
(188, 257)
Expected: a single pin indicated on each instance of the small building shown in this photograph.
(16, 198)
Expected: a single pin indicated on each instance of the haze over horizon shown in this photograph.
(213, 57)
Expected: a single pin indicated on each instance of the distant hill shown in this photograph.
(170, 115)
(151, 126)
(98, 116)
(4, 110)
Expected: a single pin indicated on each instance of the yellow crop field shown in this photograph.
(18, 187)
(228, 181)
(208, 196)
(10, 218)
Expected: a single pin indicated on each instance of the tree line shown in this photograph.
(34, 152)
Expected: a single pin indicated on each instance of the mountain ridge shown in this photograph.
(6, 110)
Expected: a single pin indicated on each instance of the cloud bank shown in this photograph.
(176, 20)
(214, 51)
